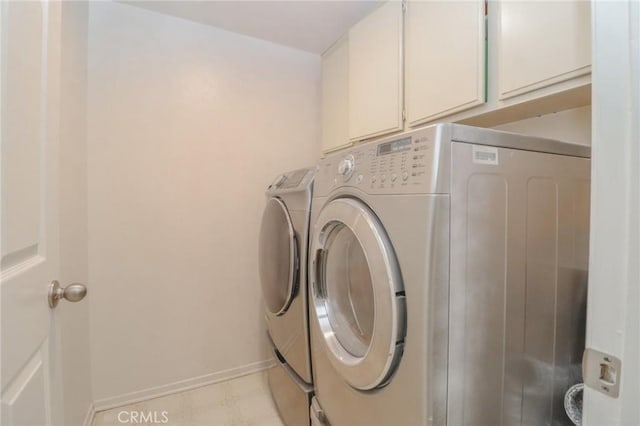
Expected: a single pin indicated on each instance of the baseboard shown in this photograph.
(88, 419)
(180, 386)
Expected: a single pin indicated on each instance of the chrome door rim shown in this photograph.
(375, 367)
(293, 260)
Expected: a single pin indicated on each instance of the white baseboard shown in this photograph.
(88, 419)
(182, 385)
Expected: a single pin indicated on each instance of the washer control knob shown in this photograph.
(383, 178)
(394, 177)
(346, 167)
(405, 175)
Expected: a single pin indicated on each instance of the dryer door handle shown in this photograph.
(317, 273)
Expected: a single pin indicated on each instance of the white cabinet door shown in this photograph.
(29, 52)
(541, 43)
(375, 73)
(335, 97)
(444, 58)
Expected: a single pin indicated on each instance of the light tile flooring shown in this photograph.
(245, 401)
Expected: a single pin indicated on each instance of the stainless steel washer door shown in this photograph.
(278, 257)
(357, 293)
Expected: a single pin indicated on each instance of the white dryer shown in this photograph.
(283, 247)
(448, 272)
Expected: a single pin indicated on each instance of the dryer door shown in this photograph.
(357, 293)
(278, 257)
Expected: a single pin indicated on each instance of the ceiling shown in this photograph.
(309, 25)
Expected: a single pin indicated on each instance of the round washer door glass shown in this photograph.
(348, 291)
(278, 257)
(357, 293)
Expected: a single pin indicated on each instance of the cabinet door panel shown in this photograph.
(444, 57)
(375, 73)
(335, 92)
(542, 43)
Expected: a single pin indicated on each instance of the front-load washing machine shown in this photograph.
(283, 247)
(448, 279)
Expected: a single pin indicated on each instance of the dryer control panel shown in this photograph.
(403, 164)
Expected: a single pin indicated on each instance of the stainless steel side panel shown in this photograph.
(291, 395)
(519, 253)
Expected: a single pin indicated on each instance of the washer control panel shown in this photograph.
(291, 180)
(405, 164)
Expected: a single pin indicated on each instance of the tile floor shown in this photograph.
(245, 401)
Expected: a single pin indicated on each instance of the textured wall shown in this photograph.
(187, 125)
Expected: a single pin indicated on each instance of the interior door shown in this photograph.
(357, 294)
(29, 51)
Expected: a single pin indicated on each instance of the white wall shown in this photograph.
(74, 317)
(187, 125)
(573, 125)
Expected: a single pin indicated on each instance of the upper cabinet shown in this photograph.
(375, 73)
(335, 97)
(541, 44)
(444, 58)
(475, 62)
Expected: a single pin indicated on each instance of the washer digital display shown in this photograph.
(394, 146)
